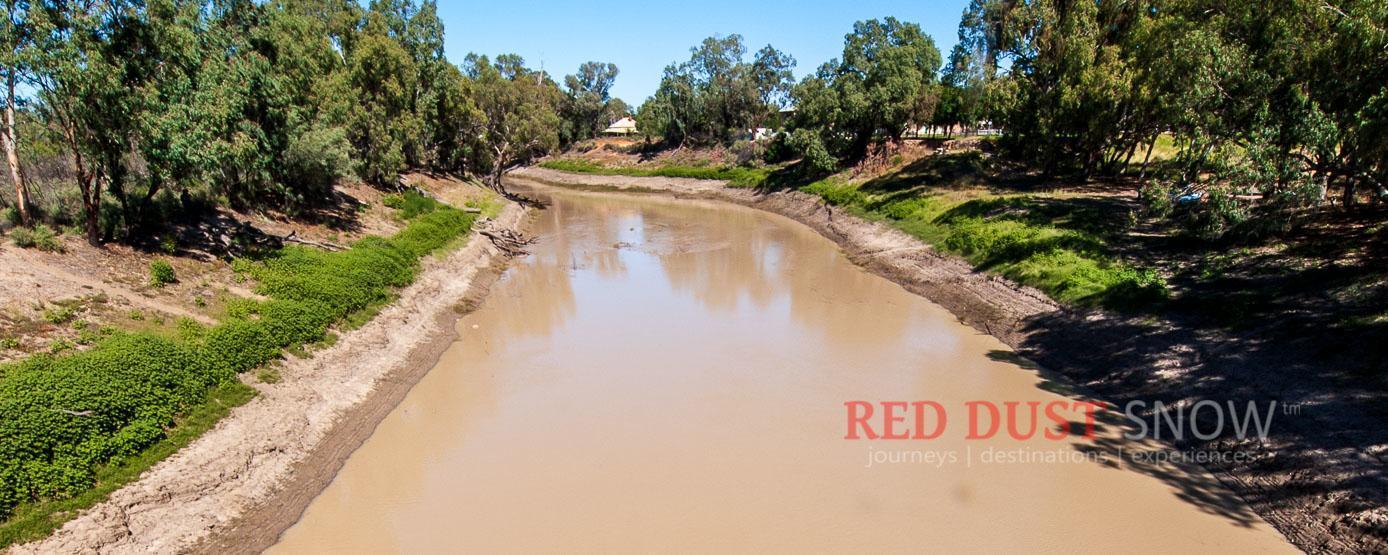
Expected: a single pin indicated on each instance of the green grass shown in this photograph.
(32, 521)
(736, 176)
(1057, 250)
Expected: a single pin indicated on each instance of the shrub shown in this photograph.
(814, 155)
(235, 346)
(1156, 199)
(161, 273)
(190, 330)
(41, 237)
(747, 153)
(412, 205)
(1220, 211)
(314, 160)
(87, 337)
(59, 346)
(60, 315)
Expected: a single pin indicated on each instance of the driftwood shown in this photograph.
(508, 241)
(292, 238)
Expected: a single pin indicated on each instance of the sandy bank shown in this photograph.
(1326, 492)
(239, 485)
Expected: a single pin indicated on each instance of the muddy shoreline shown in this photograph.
(240, 485)
(1326, 492)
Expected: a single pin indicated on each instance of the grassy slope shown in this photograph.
(308, 291)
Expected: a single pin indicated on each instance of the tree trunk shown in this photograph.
(91, 190)
(1351, 188)
(1142, 175)
(10, 142)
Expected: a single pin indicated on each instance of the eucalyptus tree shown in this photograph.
(15, 46)
(518, 114)
(716, 95)
(588, 109)
(885, 80)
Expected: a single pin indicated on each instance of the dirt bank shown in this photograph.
(240, 484)
(1320, 478)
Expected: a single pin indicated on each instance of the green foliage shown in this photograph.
(61, 314)
(1157, 199)
(40, 237)
(716, 95)
(60, 346)
(589, 107)
(316, 159)
(34, 520)
(884, 81)
(813, 154)
(519, 113)
(61, 417)
(161, 273)
(411, 204)
(175, 106)
(1287, 101)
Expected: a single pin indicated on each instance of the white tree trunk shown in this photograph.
(9, 141)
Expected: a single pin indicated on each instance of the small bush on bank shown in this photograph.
(161, 273)
(40, 237)
(60, 315)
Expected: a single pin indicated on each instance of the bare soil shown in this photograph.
(1320, 478)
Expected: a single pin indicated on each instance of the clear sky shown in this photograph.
(642, 37)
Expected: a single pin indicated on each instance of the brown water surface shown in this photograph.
(666, 375)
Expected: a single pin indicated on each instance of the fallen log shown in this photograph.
(508, 241)
(292, 238)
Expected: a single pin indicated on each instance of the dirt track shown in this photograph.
(1322, 476)
(240, 484)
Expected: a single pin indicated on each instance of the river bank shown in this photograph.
(242, 480)
(1324, 491)
(667, 375)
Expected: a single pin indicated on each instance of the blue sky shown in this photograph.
(642, 37)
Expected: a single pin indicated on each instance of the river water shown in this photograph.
(663, 375)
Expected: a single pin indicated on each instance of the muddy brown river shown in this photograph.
(671, 375)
